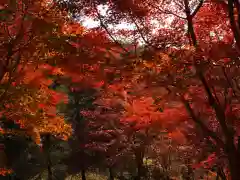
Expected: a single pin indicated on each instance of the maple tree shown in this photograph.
(210, 52)
(182, 83)
(19, 71)
(25, 96)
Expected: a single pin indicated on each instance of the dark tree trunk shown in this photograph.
(139, 170)
(220, 174)
(111, 174)
(139, 154)
(234, 26)
(188, 173)
(50, 174)
(234, 165)
(217, 178)
(233, 156)
(46, 148)
(83, 174)
(83, 165)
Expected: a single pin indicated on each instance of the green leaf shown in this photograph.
(5, 14)
(160, 109)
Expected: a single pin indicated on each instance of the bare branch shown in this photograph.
(172, 13)
(166, 11)
(199, 122)
(197, 8)
(140, 32)
(234, 27)
(213, 103)
(190, 23)
(106, 29)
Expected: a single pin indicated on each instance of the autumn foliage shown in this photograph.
(165, 90)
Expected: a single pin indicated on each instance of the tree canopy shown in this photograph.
(158, 100)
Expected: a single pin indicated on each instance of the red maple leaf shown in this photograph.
(41, 106)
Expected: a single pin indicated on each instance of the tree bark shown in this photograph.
(220, 174)
(234, 165)
(139, 154)
(230, 149)
(111, 175)
(50, 174)
(237, 4)
(83, 174)
(46, 147)
(190, 23)
(234, 27)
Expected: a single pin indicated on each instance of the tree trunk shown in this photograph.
(111, 175)
(234, 165)
(234, 26)
(220, 174)
(46, 147)
(190, 173)
(50, 174)
(139, 154)
(83, 174)
(139, 171)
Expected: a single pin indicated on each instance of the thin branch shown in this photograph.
(190, 23)
(140, 32)
(174, 14)
(166, 11)
(197, 8)
(237, 4)
(201, 124)
(220, 114)
(230, 84)
(235, 29)
(106, 29)
(215, 95)
(213, 103)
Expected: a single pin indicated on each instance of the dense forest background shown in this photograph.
(151, 92)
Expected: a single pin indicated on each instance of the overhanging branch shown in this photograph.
(106, 29)
(199, 122)
(197, 8)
